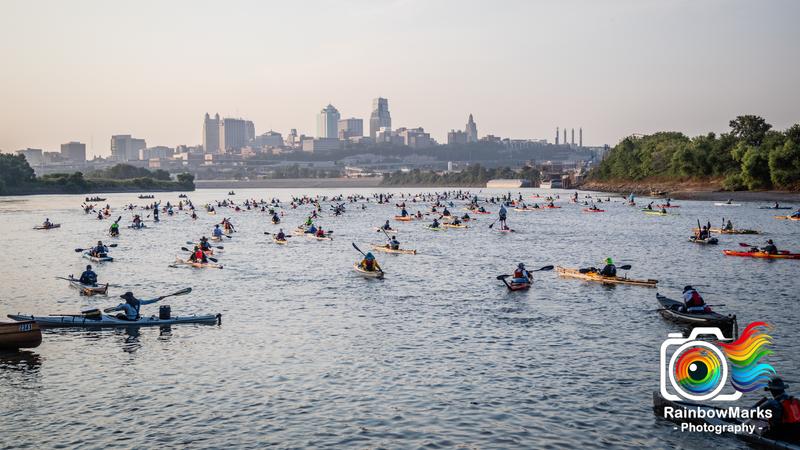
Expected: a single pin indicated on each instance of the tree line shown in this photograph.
(750, 156)
(473, 176)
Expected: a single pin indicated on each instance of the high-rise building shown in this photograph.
(211, 134)
(557, 132)
(572, 137)
(456, 137)
(74, 151)
(126, 148)
(580, 137)
(415, 137)
(328, 123)
(380, 117)
(235, 133)
(472, 130)
(34, 156)
(565, 136)
(351, 127)
(269, 139)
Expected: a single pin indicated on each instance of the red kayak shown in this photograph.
(552, 207)
(781, 255)
(518, 286)
(593, 210)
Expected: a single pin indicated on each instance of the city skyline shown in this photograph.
(615, 68)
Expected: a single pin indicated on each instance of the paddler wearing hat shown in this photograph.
(130, 309)
(784, 424)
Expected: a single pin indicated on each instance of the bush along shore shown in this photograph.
(750, 157)
(18, 178)
(473, 176)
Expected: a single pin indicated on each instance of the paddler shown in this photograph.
(796, 213)
(770, 248)
(692, 301)
(784, 424)
(521, 275)
(204, 244)
(446, 212)
(88, 277)
(466, 217)
(309, 222)
(47, 223)
(502, 215)
(99, 250)
(281, 236)
(386, 226)
(197, 255)
(130, 309)
(275, 218)
(217, 233)
(609, 270)
(312, 230)
(435, 223)
(320, 233)
(394, 244)
(114, 229)
(728, 226)
(369, 263)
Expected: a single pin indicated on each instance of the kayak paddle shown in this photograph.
(207, 257)
(85, 249)
(359, 250)
(174, 294)
(541, 269)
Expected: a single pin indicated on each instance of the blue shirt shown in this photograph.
(217, 232)
(132, 312)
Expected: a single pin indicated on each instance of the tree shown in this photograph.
(755, 169)
(784, 165)
(15, 171)
(749, 128)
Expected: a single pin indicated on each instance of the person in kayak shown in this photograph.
(369, 263)
(312, 230)
(99, 250)
(728, 226)
(692, 301)
(320, 233)
(521, 275)
(114, 229)
(47, 223)
(130, 309)
(204, 244)
(197, 255)
(795, 214)
(281, 236)
(275, 219)
(155, 214)
(88, 277)
(386, 226)
(785, 422)
(702, 233)
(137, 221)
(394, 244)
(309, 222)
(455, 221)
(446, 212)
(217, 233)
(770, 248)
(503, 214)
(435, 223)
(609, 270)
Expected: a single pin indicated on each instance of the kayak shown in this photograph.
(367, 273)
(709, 241)
(773, 207)
(516, 286)
(16, 335)
(87, 289)
(673, 310)
(724, 231)
(701, 415)
(390, 230)
(433, 228)
(450, 225)
(594, 276)
(506, 231)
(659, 213)
(404, 218)
(552, 207)
(105, 320)
(386, 249)
(137, 227)
(590, 210)
(787, 217)
(97, 259)
(198, 265)
(42, 227)
(727, 204)
(527, 209)
(781, 255)
(668, 206)
(215, 238)
(278, 241)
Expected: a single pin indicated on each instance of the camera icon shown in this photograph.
(697, 370)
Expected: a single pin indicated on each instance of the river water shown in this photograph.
(437, 355)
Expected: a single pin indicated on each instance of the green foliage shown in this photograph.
(129, 172)
(15, 171)
(474, 175)
(751, 156)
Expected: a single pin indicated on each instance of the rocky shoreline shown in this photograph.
(691, 190)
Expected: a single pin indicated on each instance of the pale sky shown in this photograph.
(84, 70)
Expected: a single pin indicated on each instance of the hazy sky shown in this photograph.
(84, 70)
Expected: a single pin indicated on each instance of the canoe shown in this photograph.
(197, 265)
(105, 320)
(278, 241)
(97, 259)
(366, 273)
(787, 218)
(506, 231)
(86, 289)
(575, 273)
(672, 310)
(16, 335)
(386, 249)
(551, 207)
(707, 241)
(590, 210)
(782, 255)
(727, 204)
(404, 219)
(660, 404)
(42, 227)
(450, 225)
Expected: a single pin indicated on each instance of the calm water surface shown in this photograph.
(310, 355)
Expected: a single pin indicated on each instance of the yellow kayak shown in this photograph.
(386, 249)
(450, 225)
(594, 276)
(367, 273)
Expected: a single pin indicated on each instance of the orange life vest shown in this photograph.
(791, 410)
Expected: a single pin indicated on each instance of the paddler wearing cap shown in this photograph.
(784, 424)
(609, 270)
(130, 309)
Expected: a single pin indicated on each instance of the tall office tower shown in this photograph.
(557, 132)
(472, 130)
(565, 136)
(126, 148)
(328, 123)
(235, 133)
(572, 136)
(380, 117)
(351, 127)
(580, 137)
(211, 134)
(74, 151)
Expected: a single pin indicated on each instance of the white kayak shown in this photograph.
(105, 320)
(198, 265)
(97, 259)
(393, 230)
(367, 273)
(88, 289)
(727, 204)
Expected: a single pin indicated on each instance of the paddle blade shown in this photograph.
(502, 277)
(211, 259)
(185, 249)
(78, 250)
(181, 292)
(545, 268)
(742, 244)
(358, 249)
(626, 267)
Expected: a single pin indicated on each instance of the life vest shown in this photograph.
(791, 410)
(198, 255)
(519, 273)
(696, 300)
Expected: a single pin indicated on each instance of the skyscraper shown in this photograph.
(557, 132)
(235, 133)
(580, 137)
(74, 151)
(328, 123)
(211, 134)
(380, 117)
(126, 148)
(351, 127)
(572, 137)
(472, 130)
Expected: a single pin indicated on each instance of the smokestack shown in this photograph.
(557, 131)
(565, 136)
(572, 141)
(580, 137)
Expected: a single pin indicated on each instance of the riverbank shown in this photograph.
(293, 183)
(690, 190)
(105, 187)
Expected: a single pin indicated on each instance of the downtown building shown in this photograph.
(351, 128)
(226, 135)
(74, 152)
(126, 148)
(380, 117)
(328, 123)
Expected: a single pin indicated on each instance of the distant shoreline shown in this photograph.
(692, 191)
(295, 183)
